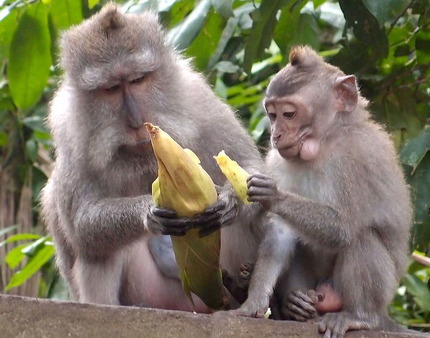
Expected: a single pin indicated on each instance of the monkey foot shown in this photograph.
(300, 305)
(335, 325)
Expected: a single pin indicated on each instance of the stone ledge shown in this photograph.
(32, 317)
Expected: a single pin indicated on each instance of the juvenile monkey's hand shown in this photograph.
(166, 222)
(263, 189)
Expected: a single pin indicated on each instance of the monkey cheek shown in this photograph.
(310, 149)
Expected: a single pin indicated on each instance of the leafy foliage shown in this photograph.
(239, 45)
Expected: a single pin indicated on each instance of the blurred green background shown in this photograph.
(239, 45)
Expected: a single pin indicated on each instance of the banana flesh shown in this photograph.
(235, 174)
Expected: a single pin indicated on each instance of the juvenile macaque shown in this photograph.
(118, 74)
(337, 188)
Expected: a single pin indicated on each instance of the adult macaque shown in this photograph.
(118, 74)
(336, 186)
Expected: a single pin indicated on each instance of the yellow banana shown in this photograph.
(235, 174)
(184, 186)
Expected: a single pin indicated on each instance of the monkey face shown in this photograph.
(291, 127)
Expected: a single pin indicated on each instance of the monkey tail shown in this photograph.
(387, 324)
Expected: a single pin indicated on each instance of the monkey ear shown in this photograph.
(346, 93)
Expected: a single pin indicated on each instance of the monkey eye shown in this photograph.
(289, 114)
(112, 89)
(272, 116)
(138, 80)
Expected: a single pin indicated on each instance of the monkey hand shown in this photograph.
(300, 306)
(263, 189)
(221, 213)
(166, 222)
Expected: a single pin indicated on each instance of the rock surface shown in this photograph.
(30, 317)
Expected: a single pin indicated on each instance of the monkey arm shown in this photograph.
(303, 214)
(102, 226)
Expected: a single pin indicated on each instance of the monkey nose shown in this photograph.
(276, 139)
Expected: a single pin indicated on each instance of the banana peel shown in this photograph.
(184, 186)
(235, 174)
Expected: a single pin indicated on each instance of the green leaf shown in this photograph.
(19, 237)
(34, 247)
(422, 45)
(4, 138)
(206, 42)
(91, 3)
(15, 256)
(307, 32)
(264, 22)
(414, 150)
(31, 150)
(30, 57)
(318, 3)
(419, 290)
(286, 28)
(420, 190)
(35, 122)
(66, 13)
(33, 265)
(183, 34)
(223, 7)
(7, 28)
(226, 35)
(365, 27)
(386, 10)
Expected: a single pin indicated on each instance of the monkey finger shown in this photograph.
(259, 182)
(299, 312)
(163, 212)
(212, 209)
(170, 232)
(257, 176)
(322, 326)
(294, 316)
(261, 191)
(327, 334)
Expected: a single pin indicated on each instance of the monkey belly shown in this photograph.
(143, 283)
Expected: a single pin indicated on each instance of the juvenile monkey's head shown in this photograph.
(303, 102)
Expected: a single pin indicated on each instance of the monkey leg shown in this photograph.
(365, 276)
(99, 282)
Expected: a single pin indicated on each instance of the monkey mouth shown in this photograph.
(138, 148)
(291, 150)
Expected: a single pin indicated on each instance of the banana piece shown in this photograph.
(235, 174)
(184, 186)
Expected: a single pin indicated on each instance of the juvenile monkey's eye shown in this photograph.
(289, 114)
(138, 80)
(112, 89)
(272, 116)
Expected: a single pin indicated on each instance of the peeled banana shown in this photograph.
(235, 174)
(184, 186)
